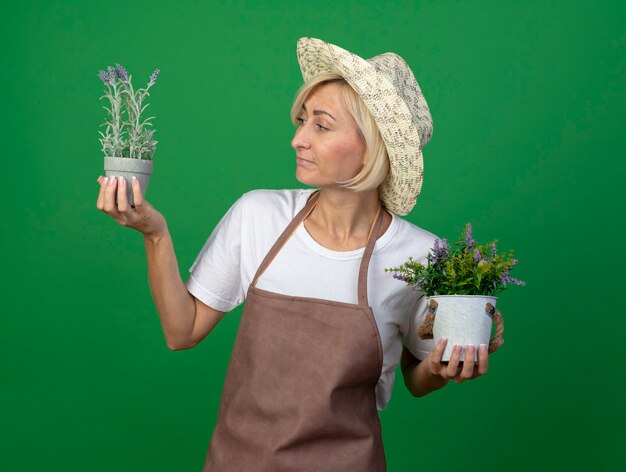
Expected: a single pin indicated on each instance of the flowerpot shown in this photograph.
(129, 167)
(462, 319)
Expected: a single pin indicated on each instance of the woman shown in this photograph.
(323, 326)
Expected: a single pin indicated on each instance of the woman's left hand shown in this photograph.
(454, 369)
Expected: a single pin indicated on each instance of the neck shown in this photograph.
(344, 217)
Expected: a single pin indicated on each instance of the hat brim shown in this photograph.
(403, 184)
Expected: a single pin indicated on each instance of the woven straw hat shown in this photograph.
(388, 88)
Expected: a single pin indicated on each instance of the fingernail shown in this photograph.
(457, 347)
(134, 178)
(122, 181)
(470, 347)
(105, 181)
(483, 347)
(111, 180)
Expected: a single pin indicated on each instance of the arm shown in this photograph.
(185, 320)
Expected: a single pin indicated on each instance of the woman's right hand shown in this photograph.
(143, 217)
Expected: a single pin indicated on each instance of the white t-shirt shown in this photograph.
(228, 261)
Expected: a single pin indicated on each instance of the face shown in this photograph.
(328, 145)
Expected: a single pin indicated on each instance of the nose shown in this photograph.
(301, 138)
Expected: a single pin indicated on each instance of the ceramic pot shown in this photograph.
(462, 319)
(128, 167)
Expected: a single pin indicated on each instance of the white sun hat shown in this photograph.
(388, 88)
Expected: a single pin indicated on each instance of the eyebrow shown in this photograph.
(319, 112)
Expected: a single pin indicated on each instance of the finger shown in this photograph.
(103, 185)
(439, 349)
(122, 199)
(483, 359)
(435, 360)
(109, 196)
(455, 358)
(468, 363)
(137, 195)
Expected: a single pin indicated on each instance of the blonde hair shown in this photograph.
(376, 165)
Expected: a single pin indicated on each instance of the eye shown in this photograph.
(321, 128)
(300, 121)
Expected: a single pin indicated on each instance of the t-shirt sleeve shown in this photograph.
(418, 347)
(215, 276)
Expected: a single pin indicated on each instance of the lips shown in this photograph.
(301, 160)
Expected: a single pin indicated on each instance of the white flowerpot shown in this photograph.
(462, 319)
(129, 167)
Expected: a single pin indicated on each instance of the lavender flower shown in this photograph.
(510, 280)
(469, 241)
(154, 77)
(436, 252)
(121, 72)
(445, 248)
(494, 249)
(403, 278)
(105, 78)
(477, 255)
(440, 251)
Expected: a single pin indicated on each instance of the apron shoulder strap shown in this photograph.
(367, 255)
(286, 234)
(291, 228)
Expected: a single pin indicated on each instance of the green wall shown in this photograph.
(528, 103)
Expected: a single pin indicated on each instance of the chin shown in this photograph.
(305, 179)
(314, 180)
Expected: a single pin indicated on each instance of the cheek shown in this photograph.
(343, 161)
(351, 154)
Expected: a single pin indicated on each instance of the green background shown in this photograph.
(528, 103)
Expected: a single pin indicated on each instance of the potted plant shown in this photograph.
(460, 282)
(128, 143)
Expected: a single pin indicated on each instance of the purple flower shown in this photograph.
(494, 249)
(510, 280)
(517, 281)
(105, 77)
(445, 248)
(468, 236)
(121, 72)
(154, 76)
(440, 251)
(436, 251)
(477, 255)
(403, 277)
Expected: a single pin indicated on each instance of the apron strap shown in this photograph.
(287, 233)
(367, 255)
(291, 228)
